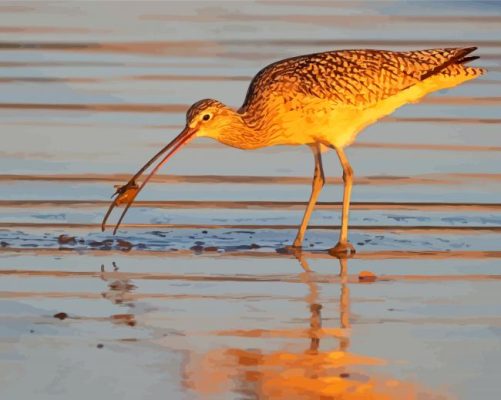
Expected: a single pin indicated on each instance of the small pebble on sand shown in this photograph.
(367, 276)
(124, 244)
(66, 239)
(210, 248)
(61, 315)
(127, 319)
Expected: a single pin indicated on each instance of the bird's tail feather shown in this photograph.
(476, 71)
(467, 59)
(457, 60)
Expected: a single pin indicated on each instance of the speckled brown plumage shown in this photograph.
(344, 84)
(352, 77)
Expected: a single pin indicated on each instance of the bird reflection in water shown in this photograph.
(309, 374)
(119, 288)
(119, 291)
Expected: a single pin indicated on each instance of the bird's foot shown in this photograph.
(292, 249)
(342, 250)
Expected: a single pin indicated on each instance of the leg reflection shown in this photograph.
(315, 308)
(344, 303)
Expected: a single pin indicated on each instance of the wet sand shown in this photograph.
(194, 299)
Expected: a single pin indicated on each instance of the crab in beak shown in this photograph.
(127, 193)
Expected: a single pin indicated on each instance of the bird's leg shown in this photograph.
(316, 187)
(343, 246)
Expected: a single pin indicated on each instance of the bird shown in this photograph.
(321, 100)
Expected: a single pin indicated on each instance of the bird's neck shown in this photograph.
(241, 132)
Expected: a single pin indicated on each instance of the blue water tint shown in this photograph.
(271, 217)
(243, 239)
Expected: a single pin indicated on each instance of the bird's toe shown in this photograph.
(342, 250)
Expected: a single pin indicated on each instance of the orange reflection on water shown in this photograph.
(308, 374)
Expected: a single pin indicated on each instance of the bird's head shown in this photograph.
(206, 118)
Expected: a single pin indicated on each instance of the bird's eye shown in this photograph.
(206, 117)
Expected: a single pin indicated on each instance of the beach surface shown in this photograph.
(193, 299)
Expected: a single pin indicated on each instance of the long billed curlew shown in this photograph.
(322, 99)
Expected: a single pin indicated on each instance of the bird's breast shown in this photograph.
(298, 123)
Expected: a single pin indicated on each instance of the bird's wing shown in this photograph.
(358, 78)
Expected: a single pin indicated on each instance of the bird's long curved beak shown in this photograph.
(128, 192)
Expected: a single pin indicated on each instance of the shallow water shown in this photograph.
(193, 298)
